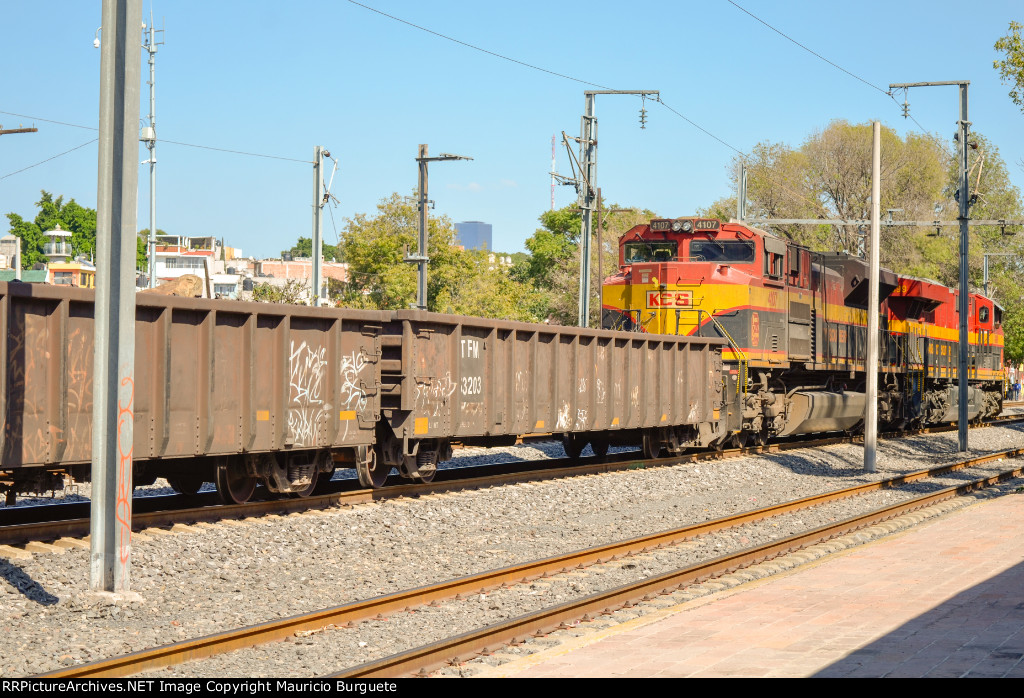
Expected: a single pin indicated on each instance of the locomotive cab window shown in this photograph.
(983, 314)
(651, 252)
(722, 251)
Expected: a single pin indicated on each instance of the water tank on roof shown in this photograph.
(286, 256)
(231, 270)
(246, 284)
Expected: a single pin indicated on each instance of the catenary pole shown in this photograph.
(421, 258)
(586, 187)
(114, 351)
(150, 140)
(963, 198)
(318, 223)
(871, 399)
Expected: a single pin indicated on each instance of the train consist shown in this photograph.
(278, 396)
(721, 335)
(795, 323)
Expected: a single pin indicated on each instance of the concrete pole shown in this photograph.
(964, 299)
(114, 352)
(871, 368)
(421, 264)
(741, 192)
(588, 167)
(318, 223)
(600, 260)
(151, 144)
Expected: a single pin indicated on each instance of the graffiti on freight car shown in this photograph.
(564, 420)
(581, 420)
(306, 410)
(601, 390)
(80, 359)
(581, 386)
(353, 397)
(432, 395)
(521, 392)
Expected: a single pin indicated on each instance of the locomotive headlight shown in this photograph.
(677, 226)
(685, 226)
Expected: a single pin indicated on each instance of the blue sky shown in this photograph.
(280, 78)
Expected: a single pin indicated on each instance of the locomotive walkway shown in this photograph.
(943, 599)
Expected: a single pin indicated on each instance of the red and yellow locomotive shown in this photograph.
(796, 326)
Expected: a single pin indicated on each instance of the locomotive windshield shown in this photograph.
(721, 251)
(651, 251)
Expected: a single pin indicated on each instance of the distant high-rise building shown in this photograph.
(474, 235)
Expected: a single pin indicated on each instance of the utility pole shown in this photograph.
(552, 172)
(871, 399)
(318, 221)
(587, 183)
(963, 198)
(741, 193)
(114, 354)
(17, 253)
(994, 254)
(149, 138)
(421, 257)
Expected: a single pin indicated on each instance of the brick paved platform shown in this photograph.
(943, 599)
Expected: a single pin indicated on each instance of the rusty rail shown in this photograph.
(211, 645)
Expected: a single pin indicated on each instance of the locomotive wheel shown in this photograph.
(599, 447)
(759, 438)
(573, 445)
(186, 483)
(371, 471)
(739, 440)
(650, 448)
(234, 485)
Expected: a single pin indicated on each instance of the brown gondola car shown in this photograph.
(247, 394)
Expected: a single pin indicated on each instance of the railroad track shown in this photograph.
(71, 528)
(466, 645)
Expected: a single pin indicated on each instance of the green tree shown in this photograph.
(467, 282)
(304, 248)
(1011, 68)
(293, 292)
(553, 265)
(76, 219)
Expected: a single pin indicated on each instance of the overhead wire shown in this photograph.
(9, 174)
(888, 93)
(478, 48)
(561, 75)
(162, 140)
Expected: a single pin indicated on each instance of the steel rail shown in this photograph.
(468, 645)
(542, 470)
(219, 643)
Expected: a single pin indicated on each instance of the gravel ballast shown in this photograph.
(225, 576)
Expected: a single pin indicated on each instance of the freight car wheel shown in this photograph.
(650, 448)
(187, 484)
(371, 470)
(234, 485)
